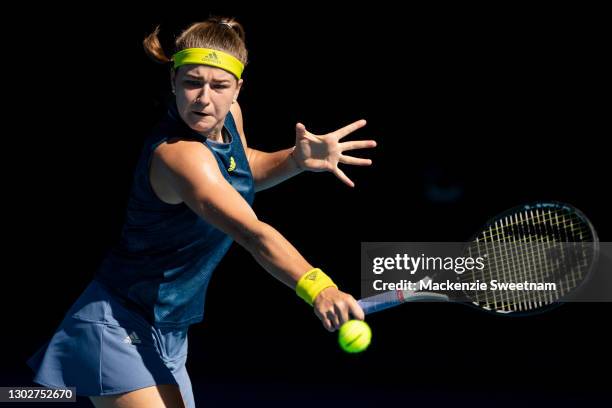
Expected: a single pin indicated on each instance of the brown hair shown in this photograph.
(219, 33)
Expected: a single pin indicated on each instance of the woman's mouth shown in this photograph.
(200, 113)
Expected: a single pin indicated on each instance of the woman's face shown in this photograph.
(204, 95)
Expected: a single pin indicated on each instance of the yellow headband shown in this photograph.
(208, 56)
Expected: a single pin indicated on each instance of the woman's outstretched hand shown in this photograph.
(335, 307)
(323, 153)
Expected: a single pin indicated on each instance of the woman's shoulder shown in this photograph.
(175, 156)
(180, 148)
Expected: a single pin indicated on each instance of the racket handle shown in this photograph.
(393, 298)
(381, 301)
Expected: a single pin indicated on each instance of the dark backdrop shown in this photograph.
(474, 111)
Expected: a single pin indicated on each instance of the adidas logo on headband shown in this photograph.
(211, 57)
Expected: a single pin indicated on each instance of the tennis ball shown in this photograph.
(354, 336)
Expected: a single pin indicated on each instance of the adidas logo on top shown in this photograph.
(132, 339)
(212, 57)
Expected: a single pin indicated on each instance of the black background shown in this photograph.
(505, 106)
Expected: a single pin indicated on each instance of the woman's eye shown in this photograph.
(219, 86)
(193, 83)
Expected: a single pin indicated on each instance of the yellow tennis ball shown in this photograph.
(354, 336)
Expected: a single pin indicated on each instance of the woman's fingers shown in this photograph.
(327, 324)
(300, 128)
(342, 313)
(340, 174)
(347, 130)
(357, 144)
(334, 308)
(356, 161)
(356, 310)
(334, 319)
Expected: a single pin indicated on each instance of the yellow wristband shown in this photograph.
(312, 283)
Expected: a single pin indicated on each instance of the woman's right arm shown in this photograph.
(191, 171)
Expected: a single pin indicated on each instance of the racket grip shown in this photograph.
(381, 301)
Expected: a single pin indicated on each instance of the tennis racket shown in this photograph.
(541, 242)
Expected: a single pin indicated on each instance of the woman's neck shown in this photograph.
(216, 135)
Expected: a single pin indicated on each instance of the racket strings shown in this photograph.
(535, 246)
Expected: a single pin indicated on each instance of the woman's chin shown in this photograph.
(202, 129)
(202, 126)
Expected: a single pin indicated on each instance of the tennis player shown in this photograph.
(124, 342)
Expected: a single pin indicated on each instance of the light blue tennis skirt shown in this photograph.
(105, 347)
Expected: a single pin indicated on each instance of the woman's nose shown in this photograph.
(204, 96)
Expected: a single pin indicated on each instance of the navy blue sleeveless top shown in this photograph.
(167, 253)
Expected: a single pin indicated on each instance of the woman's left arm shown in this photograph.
(311, 153)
